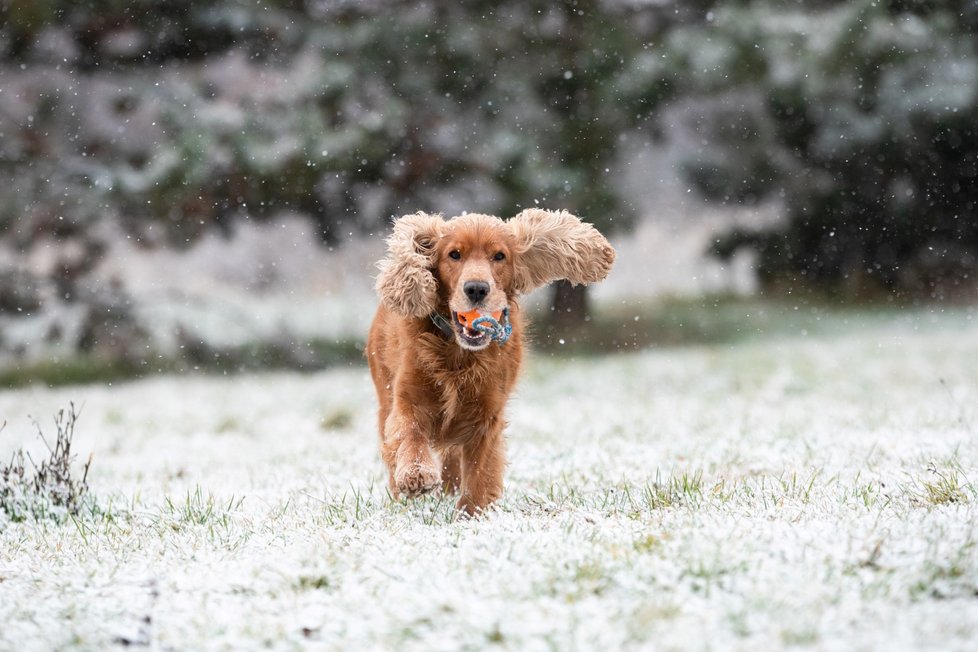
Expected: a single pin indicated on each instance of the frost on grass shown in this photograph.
(51, 489)
(796, 491)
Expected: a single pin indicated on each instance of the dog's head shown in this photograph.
(480, 262)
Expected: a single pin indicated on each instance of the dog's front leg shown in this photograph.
(414, 469)
(483, 463)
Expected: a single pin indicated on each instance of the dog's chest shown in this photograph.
(468, 393)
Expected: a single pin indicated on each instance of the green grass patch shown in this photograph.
(312, 582)
(72, 371)
(309, 356)
(631, 325)
(339, 418)
(614, 328)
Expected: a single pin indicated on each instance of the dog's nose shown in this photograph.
(476, 291)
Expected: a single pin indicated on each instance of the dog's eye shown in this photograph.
(455, 255)
(499, 256)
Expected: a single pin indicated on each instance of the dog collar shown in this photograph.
(442, 324)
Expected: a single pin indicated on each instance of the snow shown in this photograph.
(762, 495)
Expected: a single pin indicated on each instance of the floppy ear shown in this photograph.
(406, 284)
(553, 245)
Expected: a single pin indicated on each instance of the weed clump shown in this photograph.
(48, 490)
(945, 484)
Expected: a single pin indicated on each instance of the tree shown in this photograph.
(173, 119)
(861, 118)
(523, 102)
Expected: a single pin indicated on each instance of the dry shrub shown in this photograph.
(29, 490)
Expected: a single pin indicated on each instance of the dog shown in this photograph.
(442, 380)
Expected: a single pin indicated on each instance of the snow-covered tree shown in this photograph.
(861, 118)
(171, 119)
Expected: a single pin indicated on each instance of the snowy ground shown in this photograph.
(810, 491)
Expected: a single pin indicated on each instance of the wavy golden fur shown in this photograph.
(443, 387)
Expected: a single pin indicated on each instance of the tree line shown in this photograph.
(173, 119)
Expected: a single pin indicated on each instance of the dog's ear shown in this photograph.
(406, 283)
(554, 245)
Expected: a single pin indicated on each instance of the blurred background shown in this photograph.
(207, 185)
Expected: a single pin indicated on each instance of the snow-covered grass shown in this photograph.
(813, 491)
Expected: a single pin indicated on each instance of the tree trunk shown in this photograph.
(570, 307)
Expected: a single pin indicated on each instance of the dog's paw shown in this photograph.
(467, 508)
(417, 479)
